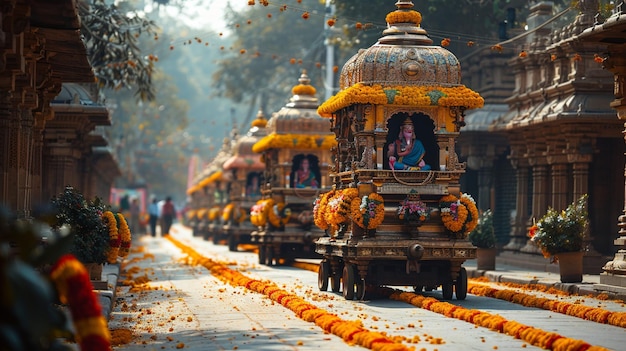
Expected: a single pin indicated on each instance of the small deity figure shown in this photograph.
(406, 152)
(304, 177)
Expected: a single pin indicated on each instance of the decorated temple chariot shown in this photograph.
(395, 214)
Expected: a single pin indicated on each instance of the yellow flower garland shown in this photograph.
(258, 213)
(360, 211)
(410, 16)
(459, 216)
(423, 95)
(302, 89)
(214, 213)
(352, 332)
(277, 214)
(114, 238)
(338, 208)
(295, 141)
(125, 236)
(319, 210)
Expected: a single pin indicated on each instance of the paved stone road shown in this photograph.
(193, 310)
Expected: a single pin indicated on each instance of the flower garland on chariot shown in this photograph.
(258, 213)
(295, 141)
(319, 209)
(459, 215)
(411, 95)
(74, 288)
(368, 212)
(238, 216)
(125, 235)
(278, 215)
(338, 207)
(114, 237)
(413, 210)
(214, 213)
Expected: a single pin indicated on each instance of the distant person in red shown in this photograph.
(168, 213)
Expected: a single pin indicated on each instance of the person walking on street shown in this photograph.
(153, 212)
(168, 213)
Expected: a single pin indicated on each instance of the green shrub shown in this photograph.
(483, 235)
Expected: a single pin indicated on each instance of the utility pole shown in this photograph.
(330, 51)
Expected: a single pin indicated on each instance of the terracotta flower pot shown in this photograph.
(486, 259)
(571, 266)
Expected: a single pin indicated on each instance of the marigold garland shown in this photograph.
(258, 213)
(598, 315)
(74, 288)
(352, 332)
(459, 216)
(368, 212)
(319, 210)
(295, 141)
(114, 238)
(534, 336)
(125, 235)
(214, 213)
(337, 210)
(239, 216)
(410, 16)
(277, 214)
(422, 95)
(303, 89)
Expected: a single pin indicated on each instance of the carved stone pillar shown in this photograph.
(539, 201)
(615, 270)
(560, 186)
(518, 225)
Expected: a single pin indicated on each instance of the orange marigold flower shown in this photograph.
(470, 43)
(318, 64)
(523, 54)
(249, 21)
(335, 69)
(305, 15)
(598, 58)
(577, 57)
(292, 61)
(358, 25)
(265, 2)
(497, 48)
(250, 2)
(171, 47)
(330, 22)
(242, 51)
(553, 57)
(445, 42)
(269, 15)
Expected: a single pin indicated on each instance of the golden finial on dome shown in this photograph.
(403, 26)
(305, 87)
(260, 121)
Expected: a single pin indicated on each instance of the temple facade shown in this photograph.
(48, 128)
(552, 138)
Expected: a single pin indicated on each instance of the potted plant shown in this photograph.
(484, 238)
(560, 236)
(90, 242)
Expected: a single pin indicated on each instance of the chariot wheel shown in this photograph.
(460, 286)
(232, 243)
(348, 281)
(261, 254)
(447, 289)
(323, 274)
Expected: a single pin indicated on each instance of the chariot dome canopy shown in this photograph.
(403, 68)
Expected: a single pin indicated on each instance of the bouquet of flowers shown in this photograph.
(412, 209)
(557, 232)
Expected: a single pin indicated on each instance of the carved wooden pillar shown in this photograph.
(6, 155)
